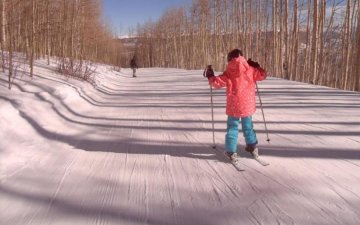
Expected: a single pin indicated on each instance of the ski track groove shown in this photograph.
(192, 139)
(251, 184)
(60, 184)
(253, 217)
(216, 182)
(130, 180)
(334, 182)
(223, 180)
(169, 185)
(146, 194)
(168, 171)
(100, 219)
(331, 186)
(26, 165)
(269, 209)
(215, 189)
(350, 162)
(104, 193)
(183, 168)
(271, 179)
(346, 201)
(280, 214)
(297, 192)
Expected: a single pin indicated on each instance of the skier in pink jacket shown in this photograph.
(239, 78)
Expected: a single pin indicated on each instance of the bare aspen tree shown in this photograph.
(328, 77)
(2, 37)
(280, 41)
(356, 71)
(314, 44)
(243, 29)
(286, 40)
(215, 31)
(237, 22)
(275, 36)
(48, 38)
(322, 42)
(295, 44)
(306, 58)
(258, 30)
(346, 45)
(10, 32)
(250, 30)
(267, 42)
(3, 19)
(353, 21)
(32, 38)
(224, 24)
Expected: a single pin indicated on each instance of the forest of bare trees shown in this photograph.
(314, 41)
(70, 30)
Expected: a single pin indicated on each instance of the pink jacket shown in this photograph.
(239, 79)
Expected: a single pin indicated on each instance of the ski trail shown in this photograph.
(137, 151)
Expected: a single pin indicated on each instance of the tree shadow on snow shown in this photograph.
(180, 149)
(309, 152)
(78, 207)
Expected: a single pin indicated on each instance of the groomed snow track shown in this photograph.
(138, 151)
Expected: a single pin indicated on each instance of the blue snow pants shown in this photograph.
(232, 132)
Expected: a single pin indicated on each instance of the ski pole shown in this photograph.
(212, 117)
(262, 110)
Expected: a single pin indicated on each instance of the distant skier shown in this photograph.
(134, 65)
(239, 78)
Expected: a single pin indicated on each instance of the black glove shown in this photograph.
(208, 72)
(253, 63)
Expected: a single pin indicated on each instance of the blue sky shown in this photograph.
(122, 14)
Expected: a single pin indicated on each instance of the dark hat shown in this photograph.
(234, 54)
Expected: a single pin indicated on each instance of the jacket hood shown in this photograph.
(237, 65)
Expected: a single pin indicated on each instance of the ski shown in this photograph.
(256, 156)
(236, 163)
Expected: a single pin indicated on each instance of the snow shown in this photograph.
(138, 151)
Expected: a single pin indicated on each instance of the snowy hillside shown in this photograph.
(138, 151)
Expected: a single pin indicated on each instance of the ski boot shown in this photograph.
(253, 150)
(232, 156)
